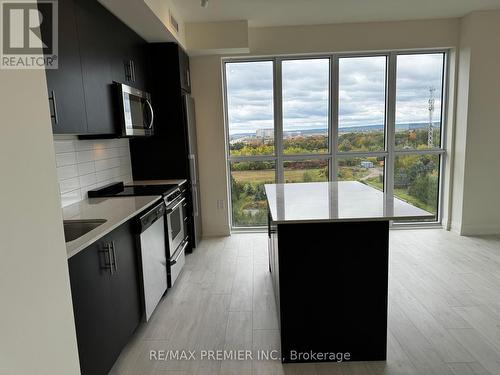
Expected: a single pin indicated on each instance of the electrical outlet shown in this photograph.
(220, 204)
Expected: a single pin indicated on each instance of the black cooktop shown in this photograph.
(118, 189)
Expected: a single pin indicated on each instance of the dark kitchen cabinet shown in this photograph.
(184, 72)
(110, 51)
(95, 33)
(129, 62)
(173, 146)
(106, 299)
(125, 283)
(95, 49)
(65, 85)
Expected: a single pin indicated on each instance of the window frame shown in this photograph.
(333, 155)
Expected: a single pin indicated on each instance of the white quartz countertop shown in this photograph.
(157, 182)
(115, 211)
(336, 201)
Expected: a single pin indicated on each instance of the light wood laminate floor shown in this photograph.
(444, 310)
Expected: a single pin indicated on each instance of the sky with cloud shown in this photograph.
(306, 90)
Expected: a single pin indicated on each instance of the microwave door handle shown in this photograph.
(151, 112)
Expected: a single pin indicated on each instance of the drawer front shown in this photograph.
(177, 263)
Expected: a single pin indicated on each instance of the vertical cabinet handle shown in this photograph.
(132, 68)
(115, 264)
(109, 260)
(52, 98)
(126, 67)
(129, 66)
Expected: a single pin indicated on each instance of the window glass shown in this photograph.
(416, 180)
(305, 95)
(367, 170)
(248, 197)
(362, 82)
(419, 82)
(306, 170)
(250, 108)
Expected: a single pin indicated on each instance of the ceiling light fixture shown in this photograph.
(204, 3)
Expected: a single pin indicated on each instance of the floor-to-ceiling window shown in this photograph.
(418, 148)
(251, 131)
(375, 118)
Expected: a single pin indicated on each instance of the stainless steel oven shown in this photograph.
(136, 112)
(176, 233)
(175, 219)
(175, 214)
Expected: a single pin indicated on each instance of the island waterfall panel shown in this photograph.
(330, 282)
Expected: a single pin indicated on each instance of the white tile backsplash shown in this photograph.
(64, 145)
(67, 171)
(69, 185)
(86, 168)
(83, 165)
(84, 156)
(65, 158)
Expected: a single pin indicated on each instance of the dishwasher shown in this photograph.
(151, 240)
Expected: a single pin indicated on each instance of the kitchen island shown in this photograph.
(329, 258)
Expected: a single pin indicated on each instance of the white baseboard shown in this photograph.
(479, 229)
(216, 232)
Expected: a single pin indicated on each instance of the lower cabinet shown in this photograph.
(106, 298)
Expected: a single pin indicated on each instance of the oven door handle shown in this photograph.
(179, 252)
(172, 209)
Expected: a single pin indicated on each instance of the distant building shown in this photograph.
(264, 133)
(366, 164)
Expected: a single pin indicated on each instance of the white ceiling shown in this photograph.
(308, 12)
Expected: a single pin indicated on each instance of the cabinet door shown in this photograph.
(91, 293)
(131, 64)
(121, 58)
(65, 86)
(184, 70)
(95, 34)
(125, 294)
(139, 58)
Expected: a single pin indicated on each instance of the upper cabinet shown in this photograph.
(184, 72)
(170, 62)
(65, 85)
(95, 31)
(129, 62)
(95, 49)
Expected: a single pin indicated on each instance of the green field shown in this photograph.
(403, 195)
(268, 176)
(257, 177)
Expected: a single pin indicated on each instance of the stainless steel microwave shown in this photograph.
(136, 112)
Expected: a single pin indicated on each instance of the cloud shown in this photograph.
(306, 92)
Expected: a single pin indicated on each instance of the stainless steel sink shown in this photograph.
(74, 229)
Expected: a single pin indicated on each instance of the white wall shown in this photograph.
(83, 165)
(37, 332)
(209, 38)
(347, 37)
(478, 126)
(207, 86)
